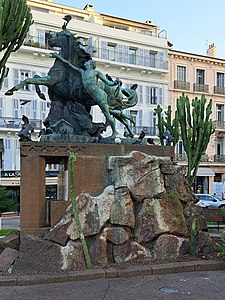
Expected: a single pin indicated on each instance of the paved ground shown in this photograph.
(208, 285)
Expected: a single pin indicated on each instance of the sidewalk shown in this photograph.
(146, 269)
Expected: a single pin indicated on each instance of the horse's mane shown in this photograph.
(71, 49)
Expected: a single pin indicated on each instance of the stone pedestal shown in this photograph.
(90, 176)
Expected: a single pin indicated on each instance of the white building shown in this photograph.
(135, 52)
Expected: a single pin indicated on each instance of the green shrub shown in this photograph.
(222, 245)
(6, 202)
(223, 214)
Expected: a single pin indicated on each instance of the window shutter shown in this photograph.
(140, 117)
(161, 61)
(41, 37)
(140, 93)
(125, 54)
(32, 85)
(43, 87)
(141, 57)
(160, 96)
(146, 58)
(120, 53)
(148, 94)
(15, 76)
(104, 52)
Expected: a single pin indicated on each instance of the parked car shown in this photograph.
(207, 200)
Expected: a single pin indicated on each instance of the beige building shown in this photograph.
(134, 51)
(195, 75)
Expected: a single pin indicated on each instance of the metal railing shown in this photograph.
(219, 90)
(149, 131)
(219, 125)
(183, 157)
(203, 88)
(15, 123)
(182, 85)
(219, 158)
(115, 56)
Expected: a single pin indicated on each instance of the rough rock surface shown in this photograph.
(144, 213)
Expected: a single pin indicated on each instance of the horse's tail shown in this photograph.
(132, 98)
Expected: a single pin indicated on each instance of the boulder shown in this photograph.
(130, 252)
(11, 241)
(139, 172)
(122, 210)
(38, 256)
(7, 258)
(159, 216)
(169, 246)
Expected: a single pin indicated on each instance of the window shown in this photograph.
(26, 109)
(220, 80)
(180, 147)
(152, 58)
(111, 52)
(181, 73)
(24, 75)
(219, 146)
(134, 113)
(153, 95)
(200, 76)
(219, 112)
(132, 56)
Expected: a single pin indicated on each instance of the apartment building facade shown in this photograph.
(136, 52)
(194, 75)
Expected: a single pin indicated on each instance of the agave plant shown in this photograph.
(222, 245)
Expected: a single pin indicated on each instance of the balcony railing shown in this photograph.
(203, 88)
(14, 123)
(219, 125)
(219, 158)
(183, 157)
(219, 90)
(115, 56)
(149, 131)
(182, 85)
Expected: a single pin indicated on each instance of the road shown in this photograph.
(10, 222)
(186, 286)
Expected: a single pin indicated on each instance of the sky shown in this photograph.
(191, 25)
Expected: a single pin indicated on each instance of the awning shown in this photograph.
(205, 171)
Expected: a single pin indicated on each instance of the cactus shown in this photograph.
(15, 20)
(196, 128)
(73, 158)
(167, 124)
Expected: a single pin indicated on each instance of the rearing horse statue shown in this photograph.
(71, 96)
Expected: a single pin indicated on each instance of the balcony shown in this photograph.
(219, 90)
(219, 125)
(149, 131)
(203, 88)
(183, 157)
(219, 158)
(111, 56)
(181, 85)
(14, 123)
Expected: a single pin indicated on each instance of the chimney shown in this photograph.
(211, 51)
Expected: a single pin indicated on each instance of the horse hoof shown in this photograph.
(9, 93)
(42, 96)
